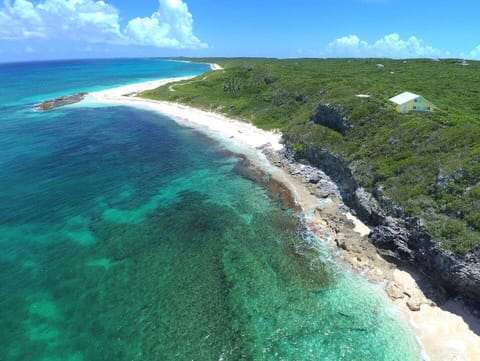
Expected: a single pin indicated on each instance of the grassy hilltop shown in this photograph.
(427, 163)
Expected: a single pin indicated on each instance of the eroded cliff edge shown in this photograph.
(401, 239)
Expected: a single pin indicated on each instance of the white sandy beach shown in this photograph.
(443, 335)
(242, 134)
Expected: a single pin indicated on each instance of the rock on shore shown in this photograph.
(61, 101)
(400, 239)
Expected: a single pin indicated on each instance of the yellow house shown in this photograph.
(407, 102)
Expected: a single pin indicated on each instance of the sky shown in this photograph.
(74, 29)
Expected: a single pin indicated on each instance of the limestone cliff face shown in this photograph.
(331, 117)
(407, 240)
(403, 240)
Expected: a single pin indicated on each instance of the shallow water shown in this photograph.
(126, 237)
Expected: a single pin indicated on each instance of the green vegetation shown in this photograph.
(428, 163)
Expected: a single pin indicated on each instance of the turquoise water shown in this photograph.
(126, 237)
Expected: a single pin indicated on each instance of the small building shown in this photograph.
(407, 102)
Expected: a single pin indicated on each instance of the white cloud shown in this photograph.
(20, 20)
(93, 21)
(171, 26)
(350, 44)
(475, 53)
(390, 46)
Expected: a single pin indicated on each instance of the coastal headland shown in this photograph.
(412, 177)
(445, 327)
(448, 332)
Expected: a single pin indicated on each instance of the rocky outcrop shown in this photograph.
(330, 222)
(61, 101)
(400, 239)
(364, 204)
(405, 240)
(316, 180)
(331, 117)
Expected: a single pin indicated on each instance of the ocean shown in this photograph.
(125, 236)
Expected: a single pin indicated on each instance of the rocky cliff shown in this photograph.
(331, 117)
(403, 240)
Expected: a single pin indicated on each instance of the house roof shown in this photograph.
(403, 98)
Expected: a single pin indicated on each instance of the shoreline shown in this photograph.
(443, 335)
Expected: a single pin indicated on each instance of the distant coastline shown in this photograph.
(213, 66)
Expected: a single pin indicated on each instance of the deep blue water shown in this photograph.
(126, 237)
